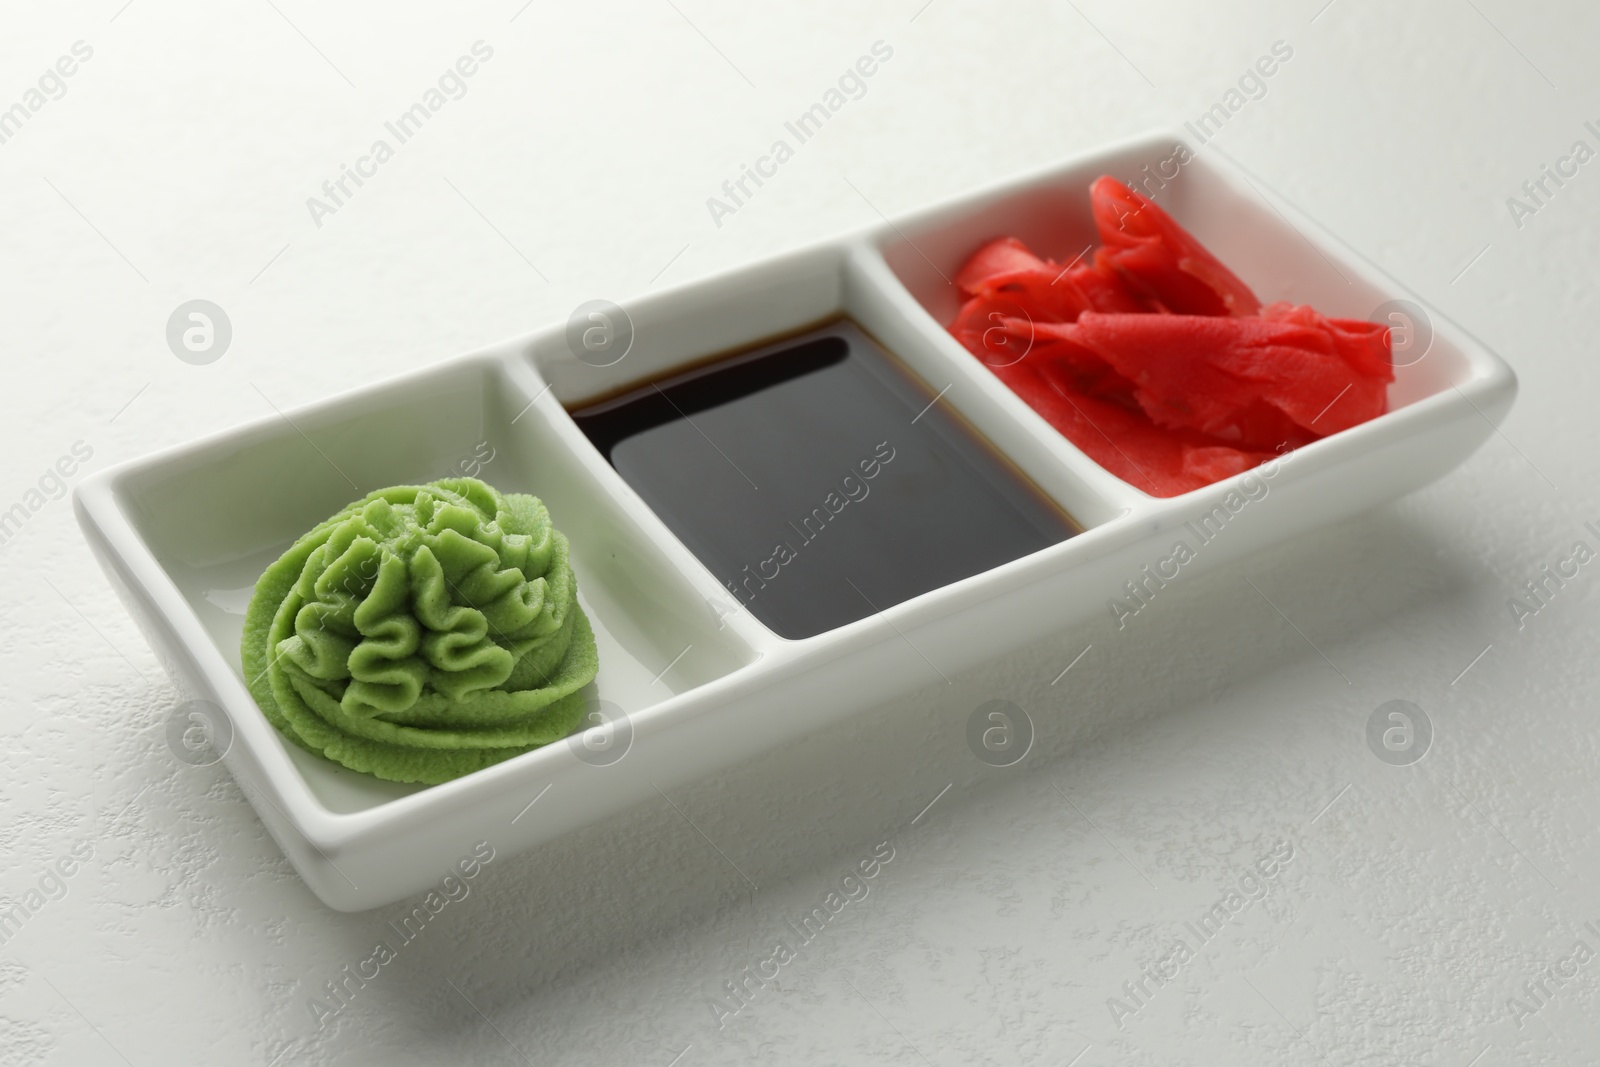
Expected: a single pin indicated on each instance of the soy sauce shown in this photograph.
(819, 480)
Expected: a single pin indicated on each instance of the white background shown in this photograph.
(1169, 759)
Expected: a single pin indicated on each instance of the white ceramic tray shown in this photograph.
(185, 533)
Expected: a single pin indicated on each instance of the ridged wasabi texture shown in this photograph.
(422, 633)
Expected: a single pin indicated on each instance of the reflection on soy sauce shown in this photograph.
(819, 480)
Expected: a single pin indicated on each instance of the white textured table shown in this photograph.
(1032, 914)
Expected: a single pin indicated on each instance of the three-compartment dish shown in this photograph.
(702, 674)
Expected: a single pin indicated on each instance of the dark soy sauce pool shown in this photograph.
(819, 481)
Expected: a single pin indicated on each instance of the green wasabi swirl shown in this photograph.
(422, 633)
